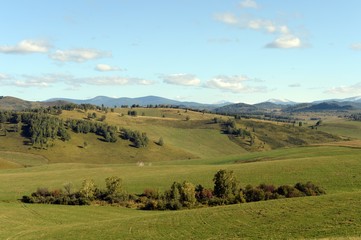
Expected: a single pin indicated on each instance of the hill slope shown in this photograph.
(198, 137)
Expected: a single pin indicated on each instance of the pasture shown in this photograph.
(193, 151)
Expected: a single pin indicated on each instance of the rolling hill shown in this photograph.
(195, 147)
(12, 103)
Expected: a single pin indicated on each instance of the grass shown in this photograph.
(328, 216)
(334, 168)
(17, 159)
(341, 127)
(194, 150)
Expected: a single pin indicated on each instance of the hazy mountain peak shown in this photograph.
(281, 101)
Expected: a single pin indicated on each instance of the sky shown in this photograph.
(206, 51)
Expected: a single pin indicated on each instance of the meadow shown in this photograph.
(194, 150)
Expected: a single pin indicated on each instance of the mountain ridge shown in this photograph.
(13, 103)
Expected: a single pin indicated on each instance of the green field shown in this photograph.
(193, 151)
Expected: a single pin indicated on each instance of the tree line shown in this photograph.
(185, 195)
(42, 128)
(109, 133)
(354, 116)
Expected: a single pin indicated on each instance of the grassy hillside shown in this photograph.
(328, 217)
(333, 215)
(197, 137)
(11, 103)
(342, 127)
(194, 150)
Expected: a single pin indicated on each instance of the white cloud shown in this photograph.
(106, 68)
(26, 46)
(295, 85)
(257, 24)
(78, 55)
(31, 84)
(43, 81)
(114, 81)
(144, 81)
(286, 42)
(248, 4)
(227, 18)
(285, 38)
(266, 25)
(353, 89)
(181, 79)
(356, 46)
(235, 84)
(3, 76)
(48, 80)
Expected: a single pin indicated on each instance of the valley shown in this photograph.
(195, 146)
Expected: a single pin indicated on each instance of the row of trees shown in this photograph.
(138, 139)
(226, 190)
(87, 194)
(109, 133)
(230, 127)
(354, 116)
(43, 128)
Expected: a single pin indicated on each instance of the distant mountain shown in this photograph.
(353, 99)
(272, 105)
(269, 106)
(111, 102)
(17, 104)
(320, 107)
(141, 101)
(236, 108)
(281, 101)
(356, 99)
(12, 103)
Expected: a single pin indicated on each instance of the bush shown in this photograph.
(309, 189)
(289, 191)
(179, 196)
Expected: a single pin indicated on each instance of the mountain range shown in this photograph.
(284, 105)
(141, 101)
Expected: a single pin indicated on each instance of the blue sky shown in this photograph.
(205, 50)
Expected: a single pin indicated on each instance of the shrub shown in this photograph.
(203, 195)
(179, 196)
(289, 191)
(254, 194)
(309, 189)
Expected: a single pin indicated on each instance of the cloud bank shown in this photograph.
(26, 47)
(235, 84)
(181, 79)
(285, 38)
(78, 55)
(248, 4)
(106, 68)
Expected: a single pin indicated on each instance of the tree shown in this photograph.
(114, 185)
(225, 185)
(68, 188)
(173, 196)
(88, 189)
(188, 194)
